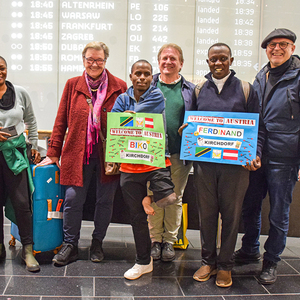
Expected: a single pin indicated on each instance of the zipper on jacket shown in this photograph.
(288, 92)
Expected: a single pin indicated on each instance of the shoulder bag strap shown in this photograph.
(246, 89)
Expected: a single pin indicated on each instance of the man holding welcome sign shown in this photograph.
(140, 97)
(221, 187)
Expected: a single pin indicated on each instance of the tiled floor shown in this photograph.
(86, 280)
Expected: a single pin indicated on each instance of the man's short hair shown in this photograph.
(279, 33)
(143, 61)
(97, 46)
(220, 45)
(171, 45)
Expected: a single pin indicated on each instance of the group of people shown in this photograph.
(154, 195)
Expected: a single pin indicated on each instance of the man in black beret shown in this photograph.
(277, 86)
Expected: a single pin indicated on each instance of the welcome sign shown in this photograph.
(136, 138)
(220, 137)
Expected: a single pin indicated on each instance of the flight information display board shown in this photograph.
(42, 40)
(240, 32)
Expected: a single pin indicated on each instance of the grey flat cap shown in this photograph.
(276, 33)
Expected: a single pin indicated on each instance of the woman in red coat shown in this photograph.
(81, 153)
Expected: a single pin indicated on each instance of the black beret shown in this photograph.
(277, 33)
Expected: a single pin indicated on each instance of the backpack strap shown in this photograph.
(246, 89)
(199, 86)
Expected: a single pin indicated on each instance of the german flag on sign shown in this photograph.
(202, 151)
(126, 121)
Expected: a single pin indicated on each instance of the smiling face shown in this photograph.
(278, 56)
(169, 63)
(95, 69)
(219, 60)
(3, 72)
(141, 77)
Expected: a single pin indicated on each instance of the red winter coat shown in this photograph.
(72, 115)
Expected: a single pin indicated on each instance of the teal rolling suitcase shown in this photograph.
(47, 209)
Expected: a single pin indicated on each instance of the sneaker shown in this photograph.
(156, 250)
(96, 251)
(66, 254)
(224, 278)
(241, 257)
(2, 251)
(168, 252)
(204, 273)
(268, 274)
(138, 270)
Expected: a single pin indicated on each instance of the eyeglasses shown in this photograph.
(282, 45)
(98, 61)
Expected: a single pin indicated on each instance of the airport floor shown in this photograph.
(86, 280)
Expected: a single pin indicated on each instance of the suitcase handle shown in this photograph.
(49, 208)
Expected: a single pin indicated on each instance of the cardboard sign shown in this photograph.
(136, 138)
(220, 137)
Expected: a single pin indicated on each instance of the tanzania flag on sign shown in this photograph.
(202, 151)
(126, 121)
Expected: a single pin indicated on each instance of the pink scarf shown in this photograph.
(94, 122)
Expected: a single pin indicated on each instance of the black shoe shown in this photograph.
(241, 257)
(66, 254)
(168, 252)
(96, 251)
(156, 250)
(268, 274)
(2, 251)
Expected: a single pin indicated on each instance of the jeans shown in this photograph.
(279, 181)
(75, 198)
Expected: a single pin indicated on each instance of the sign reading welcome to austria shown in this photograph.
(220, 137)
(136, 138)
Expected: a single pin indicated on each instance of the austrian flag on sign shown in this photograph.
(230, 154)
(149, 123)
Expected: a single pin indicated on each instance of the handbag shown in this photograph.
(110, 168)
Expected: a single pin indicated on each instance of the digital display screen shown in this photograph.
(42, 40)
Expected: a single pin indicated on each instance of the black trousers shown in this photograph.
(220, 189)
(134, 189)
(16, 187)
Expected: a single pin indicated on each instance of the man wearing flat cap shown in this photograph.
(277, 86)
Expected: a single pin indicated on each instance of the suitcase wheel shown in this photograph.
(56, 250)
(12, 242)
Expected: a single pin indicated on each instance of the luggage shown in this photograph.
(47, 209)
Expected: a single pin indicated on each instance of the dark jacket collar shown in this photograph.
(209, 76)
